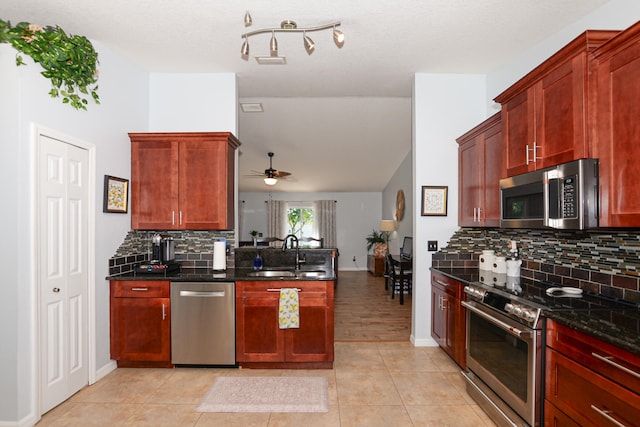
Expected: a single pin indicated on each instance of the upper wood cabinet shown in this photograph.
(545, 114)
(183, 180)
(616, 116)
(481, 165)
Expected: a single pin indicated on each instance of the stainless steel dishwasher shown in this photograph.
(203, 324)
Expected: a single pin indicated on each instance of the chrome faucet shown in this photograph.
(299, 259)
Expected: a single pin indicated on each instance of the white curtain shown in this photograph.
(326, 216)
(277, 210)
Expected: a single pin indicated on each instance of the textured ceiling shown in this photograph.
(337, 118)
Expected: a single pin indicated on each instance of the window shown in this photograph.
(301, 221)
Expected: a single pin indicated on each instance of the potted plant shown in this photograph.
(378, 242)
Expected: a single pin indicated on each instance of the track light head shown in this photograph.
(309, 45)
(338, 37)
(244, 51)
(273, 44)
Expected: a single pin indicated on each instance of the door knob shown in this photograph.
(56, 289)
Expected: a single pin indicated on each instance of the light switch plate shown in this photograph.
(432, 245)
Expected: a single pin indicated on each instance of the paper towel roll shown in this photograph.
(219, 255)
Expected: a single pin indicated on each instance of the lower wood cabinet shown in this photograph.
(589, 382)
(141, 323)
(259, 340)
(448, 322)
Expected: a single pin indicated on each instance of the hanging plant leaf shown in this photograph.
(69, 62)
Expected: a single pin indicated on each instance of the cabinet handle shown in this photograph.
(173, 217)
(140, 289)
(444, 303)
(164, 311)
(474, 214)
(479, 214)
(535, 153)
(606, 415)
(278, 290)
(607, 359)
(180, 217)
(445, 284)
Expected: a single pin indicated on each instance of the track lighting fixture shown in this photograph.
(289, 26)
(309, 45)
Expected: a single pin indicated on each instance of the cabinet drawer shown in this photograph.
(141, 289)
(586, 397)
(609, 361)
(449, 285)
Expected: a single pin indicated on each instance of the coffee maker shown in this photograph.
(162, 249)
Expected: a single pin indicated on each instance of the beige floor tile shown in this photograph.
(126, 385)
(366, 388)
(374, 416)
(426, 388)
(94, 415)
(225, 419)
(444, 416)
(358, 356)
(407, 360)
(162, 416)
(458, 381)
(442, 359)
(297, 419)
(185, 386)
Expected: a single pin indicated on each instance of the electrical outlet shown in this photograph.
(432, 245)
(354, 258)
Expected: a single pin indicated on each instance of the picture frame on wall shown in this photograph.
(434, 200)
(116, 195)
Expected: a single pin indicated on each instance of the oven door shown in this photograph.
(505, 356)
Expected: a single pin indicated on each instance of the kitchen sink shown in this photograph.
(284, 274)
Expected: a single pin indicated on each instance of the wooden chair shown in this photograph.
(399, 278)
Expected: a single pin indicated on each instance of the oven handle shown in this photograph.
(504, 326)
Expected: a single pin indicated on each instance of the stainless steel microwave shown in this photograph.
(564, 196)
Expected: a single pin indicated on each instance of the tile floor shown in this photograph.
(373, 383)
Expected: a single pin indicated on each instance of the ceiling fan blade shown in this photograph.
(280, 174)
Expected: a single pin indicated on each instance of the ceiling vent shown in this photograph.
(271, 60)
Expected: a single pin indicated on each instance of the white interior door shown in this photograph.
(63, 270)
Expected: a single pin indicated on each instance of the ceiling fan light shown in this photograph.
(309, 45)
(244, 51)
(247, 19)
(338, 37)
(270, 181)
(273, 45)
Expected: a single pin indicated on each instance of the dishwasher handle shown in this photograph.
(200, 294)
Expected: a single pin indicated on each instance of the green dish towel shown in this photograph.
(288, 311)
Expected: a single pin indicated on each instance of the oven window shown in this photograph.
(502, 354)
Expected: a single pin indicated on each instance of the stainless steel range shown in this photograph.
(504, 343)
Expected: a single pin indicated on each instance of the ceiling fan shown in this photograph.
(271, 175)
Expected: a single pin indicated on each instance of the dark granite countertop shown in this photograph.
(208, 275)
(617, 323)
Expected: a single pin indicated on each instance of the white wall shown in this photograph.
(193, 103)
(125, 93)
(402, 179)
(445, 107)
(356, 215)
(124, 97)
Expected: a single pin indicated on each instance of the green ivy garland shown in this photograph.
(70, 62)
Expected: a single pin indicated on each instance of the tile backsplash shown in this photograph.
(193, 248)
(603, 261)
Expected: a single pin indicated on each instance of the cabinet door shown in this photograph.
(258, 337)
(560, 114)
(438, 316)
(616, 137)
(205, 186)
(154, 185)
(553, 417)
(469, 166)
(141, 329)
(518, 121)
(493, 161)
(313, 341)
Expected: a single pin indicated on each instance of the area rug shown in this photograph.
(266, 394)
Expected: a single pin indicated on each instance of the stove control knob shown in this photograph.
(508, 307)
(517, 310)
(529, 316)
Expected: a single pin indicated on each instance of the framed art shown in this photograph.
(116, 194)
(434, 201)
